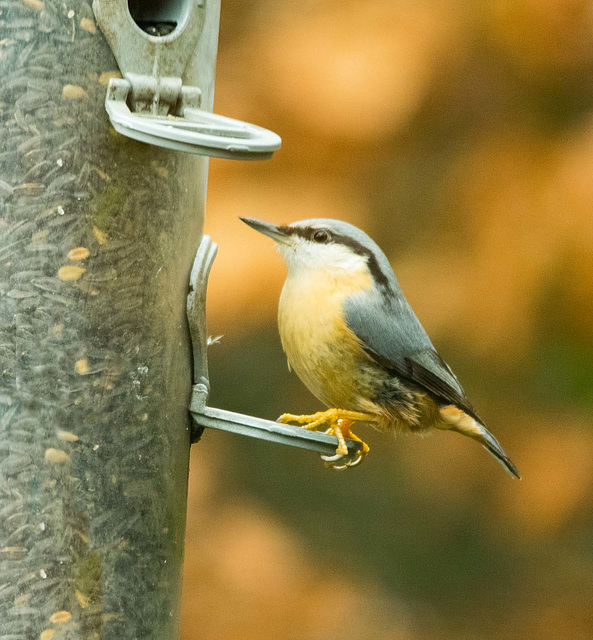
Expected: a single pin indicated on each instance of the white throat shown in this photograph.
(302, 256)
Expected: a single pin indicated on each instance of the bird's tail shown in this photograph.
(457, 420)
(491, 444)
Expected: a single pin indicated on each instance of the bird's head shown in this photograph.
(328, 245)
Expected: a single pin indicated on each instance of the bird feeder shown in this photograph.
(98, 232)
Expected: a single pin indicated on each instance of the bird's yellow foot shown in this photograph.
(340, 422)
(329, 417)
(345, 426)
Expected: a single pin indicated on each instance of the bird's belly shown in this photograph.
(329, 372)
(322, 350)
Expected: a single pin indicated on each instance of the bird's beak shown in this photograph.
(268, 229)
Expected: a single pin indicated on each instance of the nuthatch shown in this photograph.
(353, 339)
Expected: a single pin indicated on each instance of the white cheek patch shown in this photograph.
(341, 257)
(303, 255)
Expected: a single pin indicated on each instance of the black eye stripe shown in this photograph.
(358, 248)
(301, 232)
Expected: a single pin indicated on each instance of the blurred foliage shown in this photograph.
(460, 136)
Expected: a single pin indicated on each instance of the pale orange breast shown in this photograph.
(319, 346)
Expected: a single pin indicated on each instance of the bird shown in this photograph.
(353, 339)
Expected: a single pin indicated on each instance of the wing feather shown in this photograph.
(393, 336)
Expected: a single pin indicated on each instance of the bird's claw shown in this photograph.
(340, 422)
(360, 456)
(336, 458)
(330, 461)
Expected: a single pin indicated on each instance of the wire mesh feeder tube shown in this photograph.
(97, 234)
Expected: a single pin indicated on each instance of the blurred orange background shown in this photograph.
(460, 136)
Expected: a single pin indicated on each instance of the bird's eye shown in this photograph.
(321, 235)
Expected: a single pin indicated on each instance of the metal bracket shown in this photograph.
(152, 105)
(186, 129)
(204, 416)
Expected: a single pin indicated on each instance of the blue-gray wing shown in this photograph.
(392, 335)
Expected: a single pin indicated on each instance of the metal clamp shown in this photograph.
(204, 416)
(192, 130)
(152, 104)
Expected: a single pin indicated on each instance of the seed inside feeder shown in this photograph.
(70, 272)
(67, 436)
(80, 253)
(56, 456)
(60, 617)
(82, 367)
